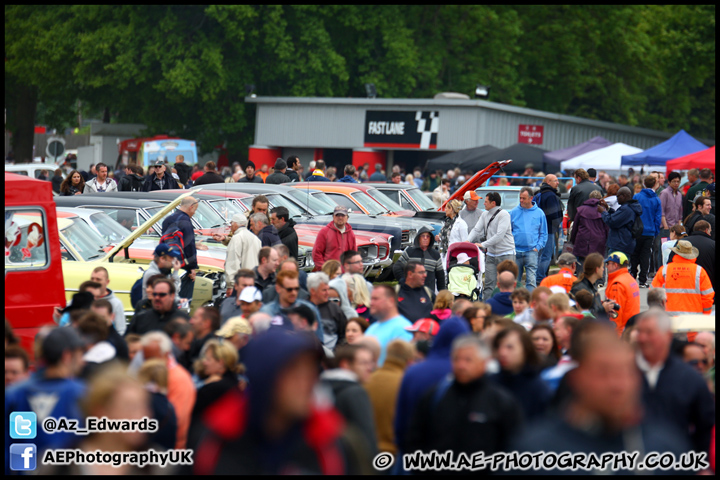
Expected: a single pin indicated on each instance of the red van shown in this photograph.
(33, 270)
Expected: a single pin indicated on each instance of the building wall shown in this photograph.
(340, 123)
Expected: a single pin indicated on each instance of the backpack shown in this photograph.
(174, 238)
(637, 228)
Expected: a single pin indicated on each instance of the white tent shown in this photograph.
(608, 159)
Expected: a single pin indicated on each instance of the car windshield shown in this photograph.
(280, 201)
(386, 201)
(205, 216)
(227, 208)
(373, 207)
(421, 199)
(110, 230)
(312, 202)
(86, 241)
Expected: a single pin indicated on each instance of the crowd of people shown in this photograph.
(485, 350)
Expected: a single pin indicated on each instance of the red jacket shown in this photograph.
(330, 244)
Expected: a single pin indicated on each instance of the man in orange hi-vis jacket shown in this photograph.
(688, 286)
(566, 276)
(622, 289)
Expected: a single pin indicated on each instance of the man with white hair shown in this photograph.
(181, 390)
(672, 390)
(243, 249)
(465, 412)
(260, 225)
(332, 318)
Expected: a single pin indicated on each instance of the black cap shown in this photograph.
(250, 164)
(305, 312)
(80, 301)
(58, 341)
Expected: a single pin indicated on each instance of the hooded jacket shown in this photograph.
(268, 236)
(118, 312)
(131, 183)
(232, 439)
(706, 258)
(183, 222)
(549, 202)
(651, 211)
(347, 179)
(91, 186)
(529, 228)
(430, 258)
(277, 178)
(421, 377)
(292, 175)
(501, 304)
(289, 237)
(589, 232)
(331, 244)
(621, 221)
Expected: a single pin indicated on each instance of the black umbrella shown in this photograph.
(520, 153)
(453, 159)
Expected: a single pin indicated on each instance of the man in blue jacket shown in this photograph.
(548, 200)
(620, 221)
(179, 226)
(651, 218)
(529, 228)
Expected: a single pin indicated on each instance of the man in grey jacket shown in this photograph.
(101, 276)
(493, 234)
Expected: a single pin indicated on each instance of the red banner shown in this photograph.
(532, 134)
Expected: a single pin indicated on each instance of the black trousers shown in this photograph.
(641, 258)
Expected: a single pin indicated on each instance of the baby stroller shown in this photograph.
(464, 279)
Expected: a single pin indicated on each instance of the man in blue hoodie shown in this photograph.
(530, 231)
(620, 221)
(349, 175)
(421, 377)
(501, 303)
(651, 218)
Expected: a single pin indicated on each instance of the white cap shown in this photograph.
(463, 257)
(250, 294)
(240, 219)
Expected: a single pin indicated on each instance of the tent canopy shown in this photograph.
(608, 158)
(678, 145)
(702, 159)
(520, 153)
(454, 159)
(555, 157)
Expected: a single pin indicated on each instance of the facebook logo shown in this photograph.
(23, 456)
(23, 425)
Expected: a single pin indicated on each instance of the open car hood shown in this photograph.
(146, 226)
(476, 181)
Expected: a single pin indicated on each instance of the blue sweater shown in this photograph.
(501, 304)
(651, 211)
(529, 228)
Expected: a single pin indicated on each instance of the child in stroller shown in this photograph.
(464, 270)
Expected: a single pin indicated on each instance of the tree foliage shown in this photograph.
(183, 69)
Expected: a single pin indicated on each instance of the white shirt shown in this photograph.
(651, 372)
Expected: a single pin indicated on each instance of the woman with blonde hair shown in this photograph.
(454, 230)
(218, 364)
(331, 268)
(442, 307)
(358, 294)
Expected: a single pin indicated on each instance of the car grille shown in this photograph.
(405, 237)
(301, 262)
(219, 285)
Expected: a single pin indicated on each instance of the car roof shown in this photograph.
(79, 212)
(247, 187)
(391, 186)
(163, 197)
(103, 199)
(334, 186)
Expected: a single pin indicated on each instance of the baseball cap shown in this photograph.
(240, 219)
(250, 294)
(471, 195)
(425, 325)
(159, 162)
(340, 210)
(165, 249)
(234, 325)
(567, 259)
(280, 164)
(58, 341)
(618, 257)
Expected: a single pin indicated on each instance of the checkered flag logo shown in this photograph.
(428, 124)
